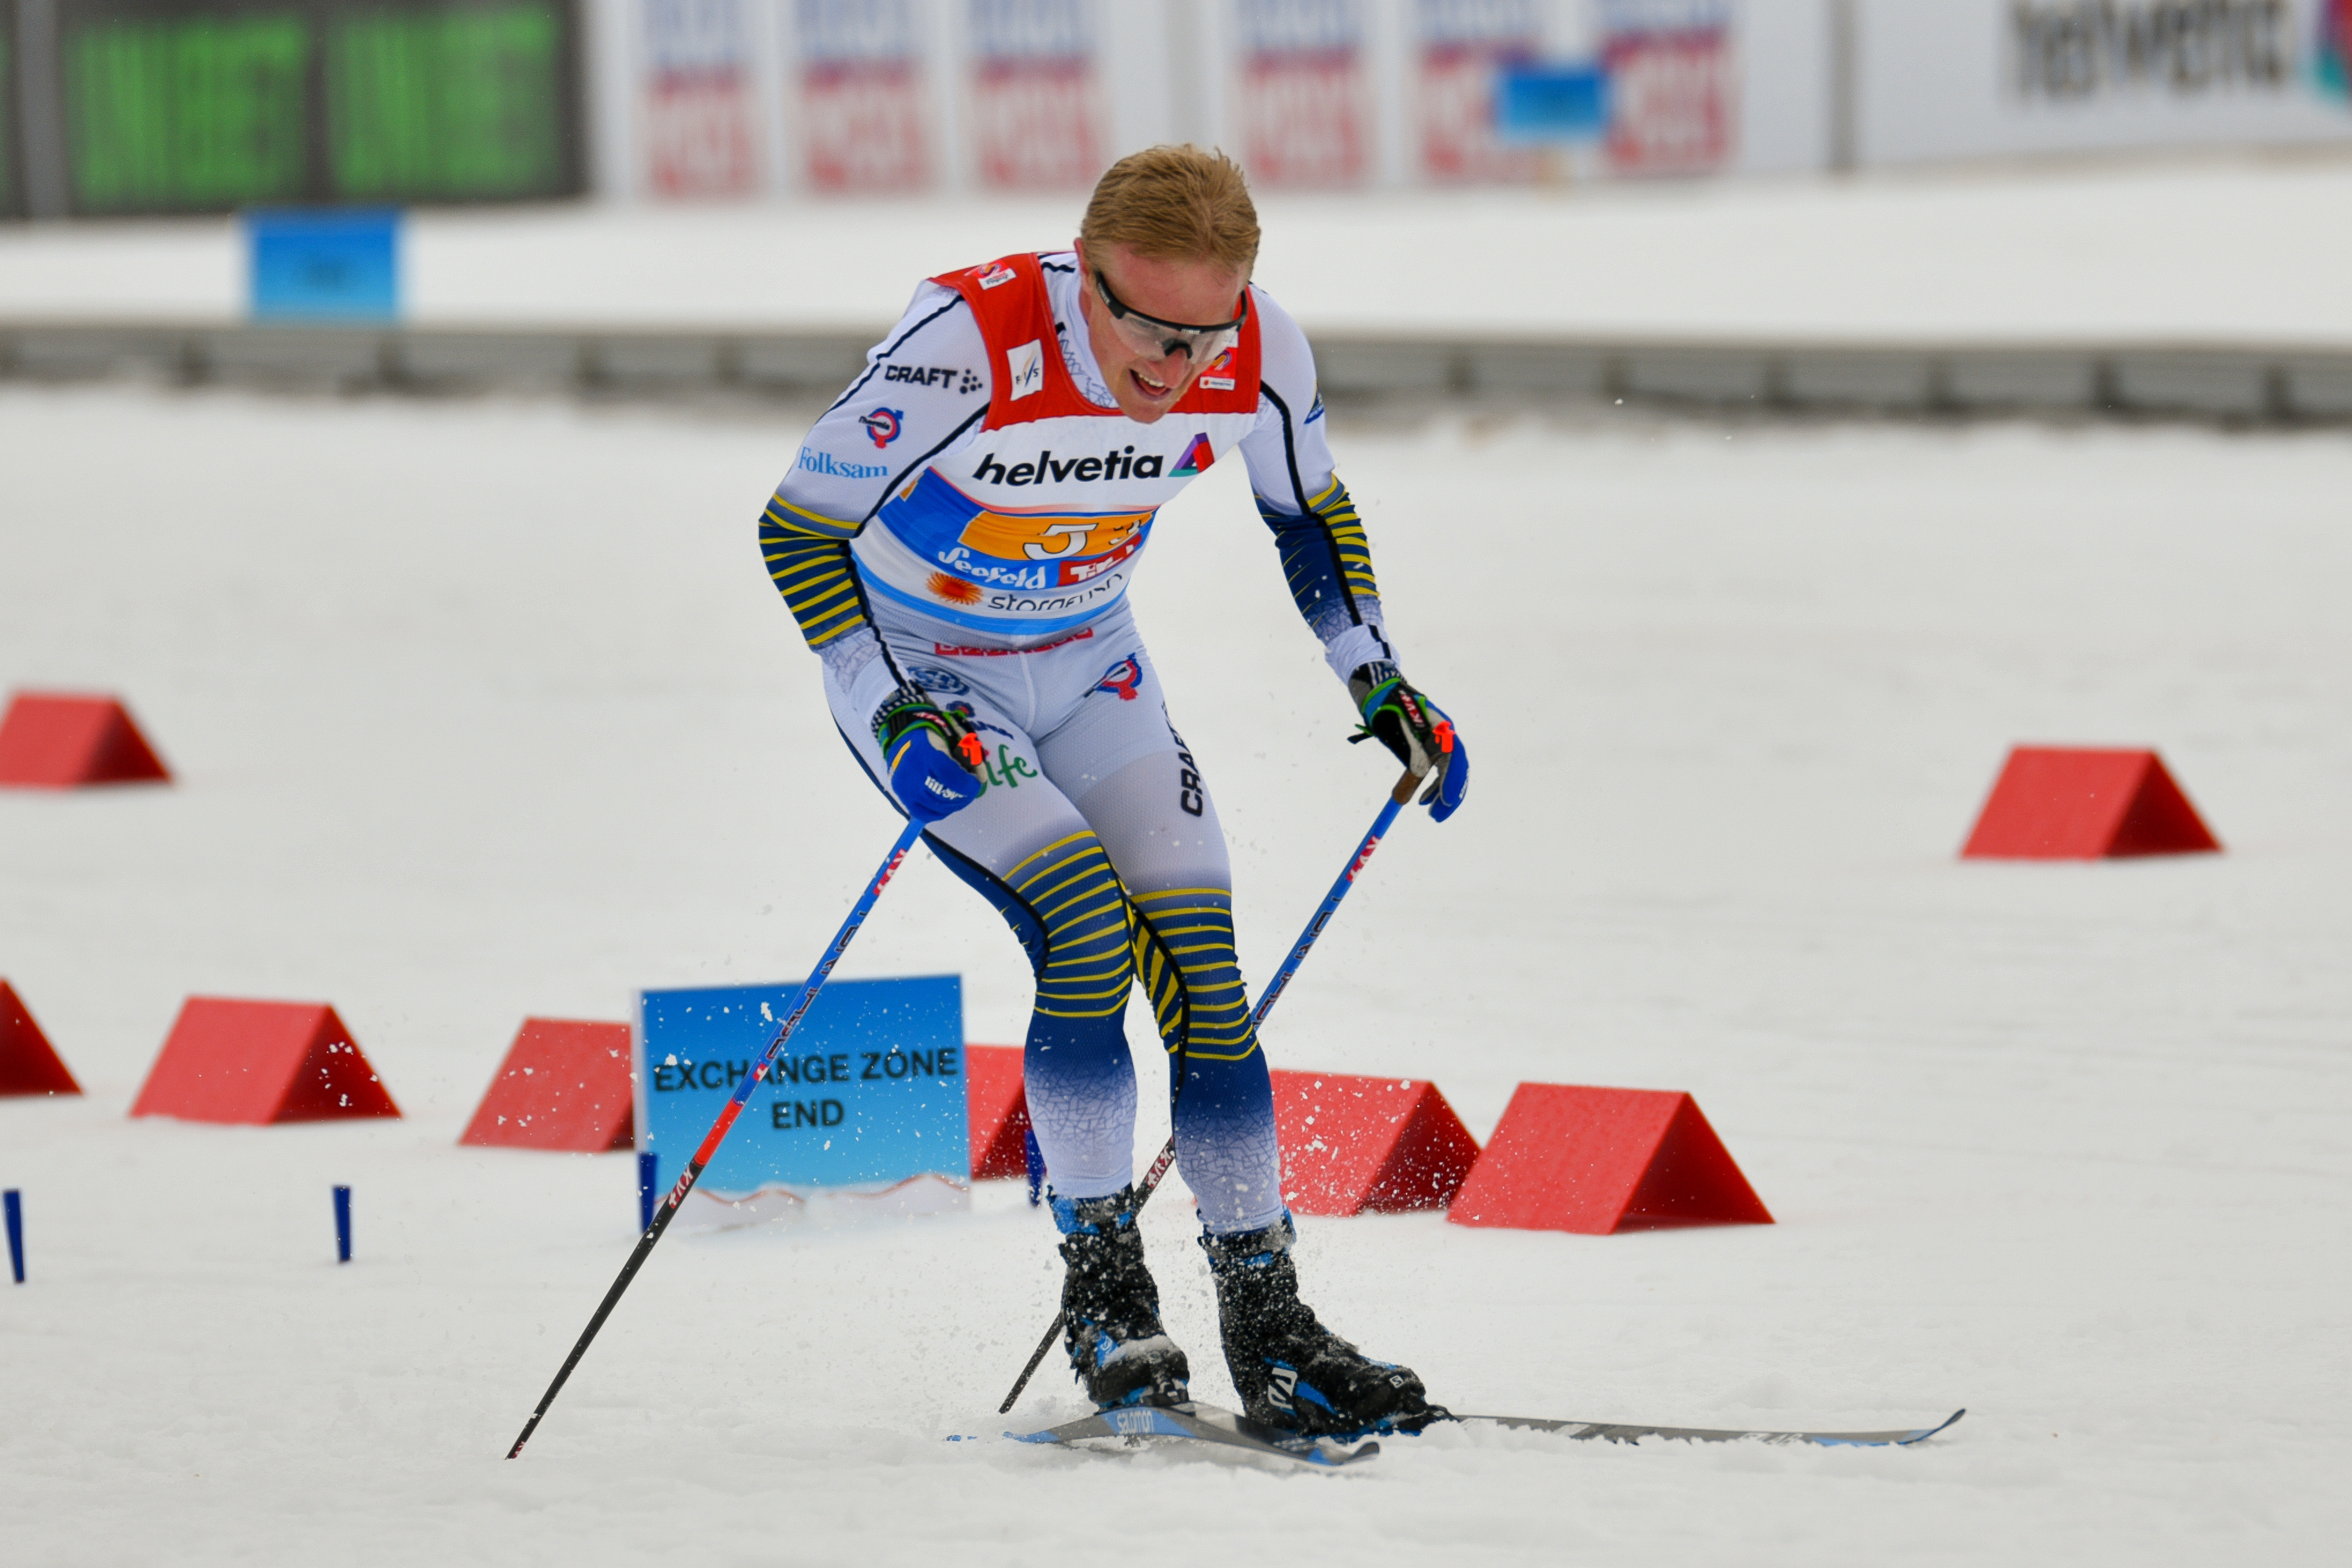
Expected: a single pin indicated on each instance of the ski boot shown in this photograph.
(1110, 1307)
(1290, 1371)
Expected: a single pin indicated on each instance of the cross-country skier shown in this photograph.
(956, 539)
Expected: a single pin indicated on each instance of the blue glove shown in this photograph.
(931, 756)
(1417, 731)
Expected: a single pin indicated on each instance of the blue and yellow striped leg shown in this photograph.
(1224, 1099)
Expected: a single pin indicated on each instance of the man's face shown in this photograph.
(1195, 291)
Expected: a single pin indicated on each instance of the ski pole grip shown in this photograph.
(1403, 794)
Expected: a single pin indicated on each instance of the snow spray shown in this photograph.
(15, 1207)
(647, 1162)
(342, 1225)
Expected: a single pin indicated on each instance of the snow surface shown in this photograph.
(2234, 250)
(482, 709)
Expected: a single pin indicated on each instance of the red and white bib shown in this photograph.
(1033, 524)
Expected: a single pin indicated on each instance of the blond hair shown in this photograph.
(1174, 203)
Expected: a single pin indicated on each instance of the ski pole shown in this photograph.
(720, 1128)
(1158, 1170)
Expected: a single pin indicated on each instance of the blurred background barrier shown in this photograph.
(2256, 384)
(117, 107)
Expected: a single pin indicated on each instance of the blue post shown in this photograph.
(342, 1225)
(15, 1233)
(648, 1191)
(1034, 1158)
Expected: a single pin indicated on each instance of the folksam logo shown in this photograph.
(2332, 56)
(1197, 456)
(827, 464)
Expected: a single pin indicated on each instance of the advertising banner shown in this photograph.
(1958, 78)
(865, 124)
(701, 110)
(864, 1111)
(1674, 86)
(1460, 47)
(1034, 94)
(1301, 93)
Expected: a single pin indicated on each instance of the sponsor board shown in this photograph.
(863, 121)
(1958, 79)
(866, 1097)
(700, 110)
(1034, 95)
(1301, 92)
(1674, 86)
(1457, 50)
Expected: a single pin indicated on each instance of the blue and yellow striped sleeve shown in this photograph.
(808, 558)
(1325, 558)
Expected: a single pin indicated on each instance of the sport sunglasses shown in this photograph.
(1150, 334)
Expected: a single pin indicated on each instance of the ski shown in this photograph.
(1133, 1425)
(1618, 1432)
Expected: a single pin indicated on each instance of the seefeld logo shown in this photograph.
(994, 276)
(1024, 368)
(883, 424)
(1217, 376)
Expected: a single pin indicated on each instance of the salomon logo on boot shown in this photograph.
(1290, 1370)
(1110, 1307)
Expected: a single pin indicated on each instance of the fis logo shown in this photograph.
(883, 424)
(1024, 369)
(994, 275)
(1217, 376)
(1197, 457)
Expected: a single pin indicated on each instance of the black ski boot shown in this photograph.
(1110, 1307)
(1291, 1370)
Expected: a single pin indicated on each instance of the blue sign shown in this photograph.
(1552, 103)
(328, 264)
(868, 1094)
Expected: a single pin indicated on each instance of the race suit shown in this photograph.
(966, 521)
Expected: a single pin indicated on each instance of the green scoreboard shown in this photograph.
(12, 173)
(198, 105)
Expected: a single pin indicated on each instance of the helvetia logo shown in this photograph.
(883, 424)
(1197, 456)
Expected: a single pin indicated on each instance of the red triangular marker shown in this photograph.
(28, 1063)
(260, 1062)
(998, 1109)
(59, 741)
(564, 1084)
(1597, 1161)
(1351, 1143)
(2075, 803)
